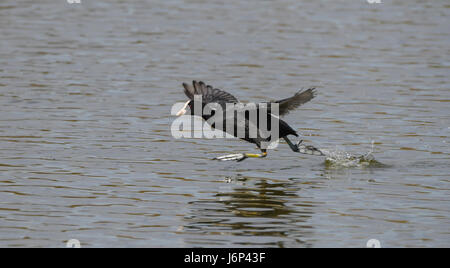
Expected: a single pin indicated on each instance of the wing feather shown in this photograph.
(209, 94)
(301, 97)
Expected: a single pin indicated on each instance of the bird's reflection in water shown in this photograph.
(252, 212)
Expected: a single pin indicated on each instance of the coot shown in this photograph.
(210, 95)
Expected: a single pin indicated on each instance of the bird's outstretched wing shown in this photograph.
(209, 94)
(301, 97)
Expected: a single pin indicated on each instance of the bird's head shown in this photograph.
(187, 108)
(196, 107)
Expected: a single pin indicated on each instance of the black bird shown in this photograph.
(210, 95)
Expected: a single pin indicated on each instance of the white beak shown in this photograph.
(183, 110)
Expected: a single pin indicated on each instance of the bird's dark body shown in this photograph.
(245, 125)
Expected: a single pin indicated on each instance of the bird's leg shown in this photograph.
(231, 157)
(303, 149)
(291, 145)
(241, 157)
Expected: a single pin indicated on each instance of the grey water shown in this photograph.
(86, 150)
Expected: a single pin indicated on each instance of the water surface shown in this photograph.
(86, 151)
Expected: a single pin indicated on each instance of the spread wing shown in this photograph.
(209, 94)
(214, 95)
(301, 97)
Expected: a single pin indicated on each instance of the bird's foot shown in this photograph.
(231, 157)
(308, 149)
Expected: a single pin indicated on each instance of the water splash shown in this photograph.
(342, 159)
